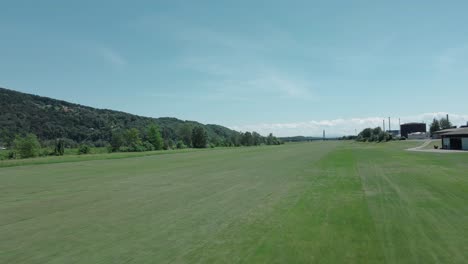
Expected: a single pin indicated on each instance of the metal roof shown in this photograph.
(413, 123)
(454, 132)
(445, 131)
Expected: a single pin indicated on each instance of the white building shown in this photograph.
(418, 135)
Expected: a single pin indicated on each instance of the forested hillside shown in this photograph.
(51, 119)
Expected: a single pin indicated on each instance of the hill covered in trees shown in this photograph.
(50, 119)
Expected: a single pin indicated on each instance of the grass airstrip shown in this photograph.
(322, 202)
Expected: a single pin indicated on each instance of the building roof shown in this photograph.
(453, 132)
(445, 131)
(413, 123)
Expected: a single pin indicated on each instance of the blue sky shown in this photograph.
(290, 67)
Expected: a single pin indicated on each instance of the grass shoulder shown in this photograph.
(102, 154)
(97, 155)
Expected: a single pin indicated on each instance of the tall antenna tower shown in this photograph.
(383, 125)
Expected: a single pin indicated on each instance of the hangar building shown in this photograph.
(454, 138)
(409, 128)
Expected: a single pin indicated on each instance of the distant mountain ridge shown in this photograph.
(48, 118)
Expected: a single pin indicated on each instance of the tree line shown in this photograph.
(49, 119)
(134, 140)
(439, 124)
(374, 135)
(60, 125)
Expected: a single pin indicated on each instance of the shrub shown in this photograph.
(11, 155)
(154, 137)
(199, 137)
(46, 152)
(180, 145)
(59, 147)
(84, 149)
(148, 146)
(27, 147)
(110, 149)
(168, 144)
(117, 141)
(132, 138)
(138, 148)
(101, 143)
(124, 149)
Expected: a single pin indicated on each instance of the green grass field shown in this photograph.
(435, 142)
(93, 156)
(323, 202)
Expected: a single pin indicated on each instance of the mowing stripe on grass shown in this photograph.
(327, 202)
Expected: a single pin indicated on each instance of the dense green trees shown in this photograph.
(117, 141)
(184, 134)
(435, 126)
(445, 123)
(272, 140)
(374, 135)
(84, 149)
(154, 137)
(50, 119)
(235, 140)
(76, 126)
(59, 147)
(440, 124)
(247, 139)
(256, 139)
(27, 146)
(132, 139)
(199, 137)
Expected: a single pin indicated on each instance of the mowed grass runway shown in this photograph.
(323, 202)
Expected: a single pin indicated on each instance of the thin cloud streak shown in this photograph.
(249, 78)
(242, 67)
(112, 56)
(452, 60)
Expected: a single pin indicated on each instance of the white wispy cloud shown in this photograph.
(230, 77)
(282, 85)
(111, 56)
(338, 127)
(215, 96)
(195, 36)
(452, 60)
(232, 63)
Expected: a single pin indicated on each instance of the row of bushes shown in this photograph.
(374, 135)
(29, 146)
(130, 140)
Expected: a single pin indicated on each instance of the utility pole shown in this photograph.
(389, 126)
(324, 134)
(383, 125)
(399, 126)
